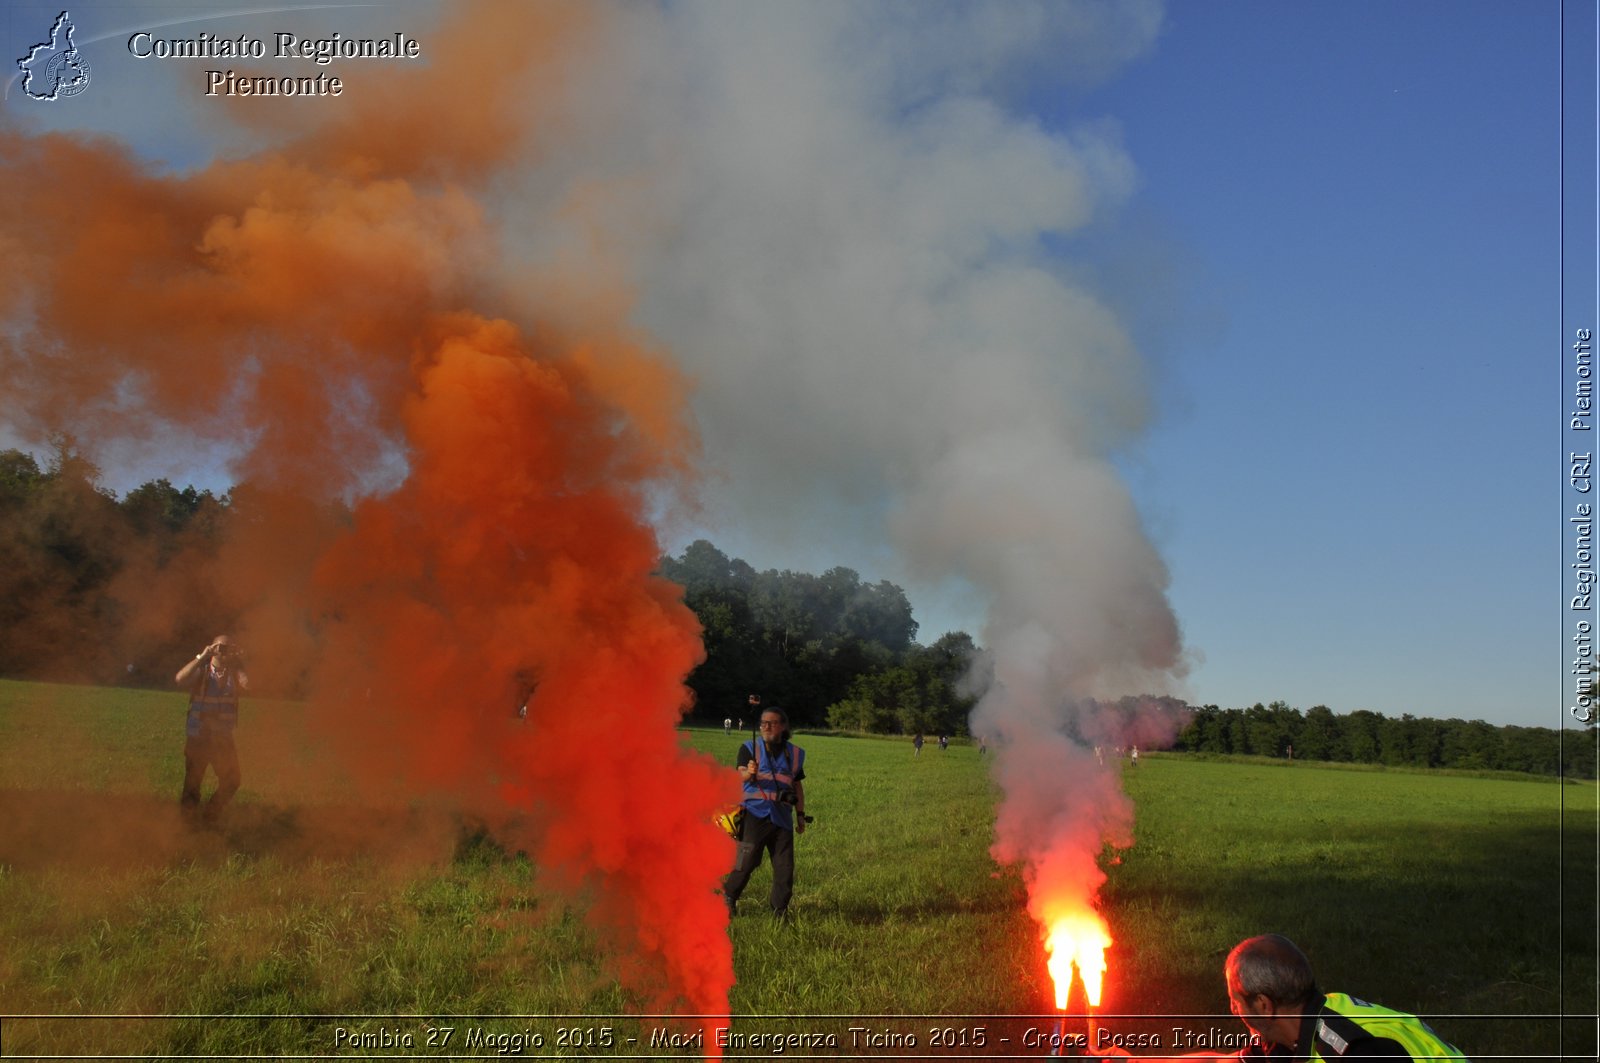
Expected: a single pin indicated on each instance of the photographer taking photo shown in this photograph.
(774, 811)
(215, 677)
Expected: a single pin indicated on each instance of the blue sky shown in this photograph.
(1354, 471)
(1332, 232)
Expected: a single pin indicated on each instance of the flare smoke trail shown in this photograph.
(866, 275)
(332, 311)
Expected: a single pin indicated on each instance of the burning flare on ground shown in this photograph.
(1078, 941)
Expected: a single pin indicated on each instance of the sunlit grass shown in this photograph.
(1443, 894)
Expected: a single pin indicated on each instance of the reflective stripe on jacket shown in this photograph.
(1346, 1019)
(761, 792)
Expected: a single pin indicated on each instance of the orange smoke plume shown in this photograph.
(331, 312)
(514, 549)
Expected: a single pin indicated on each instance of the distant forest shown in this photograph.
(1364, 737)
(835, 650)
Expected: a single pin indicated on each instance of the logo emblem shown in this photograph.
(55, 68)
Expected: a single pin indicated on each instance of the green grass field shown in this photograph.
(1457, 897)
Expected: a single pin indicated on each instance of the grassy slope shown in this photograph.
(1438, 893)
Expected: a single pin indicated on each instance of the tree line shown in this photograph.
(833, 650)
(1366, 737)
(96, 588)
(78, 565)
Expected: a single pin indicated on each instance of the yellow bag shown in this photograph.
(731, 821)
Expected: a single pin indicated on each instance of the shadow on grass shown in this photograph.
(870, 915)
(1466, 921)
(81, 830)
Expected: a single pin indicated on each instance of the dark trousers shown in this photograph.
(213, 750)
(756, 834)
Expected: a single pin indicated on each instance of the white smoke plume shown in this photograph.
(847, 229)
(861, 267)
(857, 242)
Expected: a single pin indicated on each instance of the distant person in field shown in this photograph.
(215, 679)
(526, 686)
(1272, 989)
(1136, 756)
(944, 741)
(916, 745)
(727, 725)
(774, 811)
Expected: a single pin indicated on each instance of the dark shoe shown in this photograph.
(781, 914)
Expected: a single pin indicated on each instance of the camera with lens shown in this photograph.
(786, 796)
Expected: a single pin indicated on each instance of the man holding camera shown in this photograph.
(774, 810)
(214, 678)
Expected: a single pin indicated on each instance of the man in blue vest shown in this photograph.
(1272, 989)
(215, 678)
(774, 810)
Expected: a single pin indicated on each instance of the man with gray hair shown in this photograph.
(1273, 990)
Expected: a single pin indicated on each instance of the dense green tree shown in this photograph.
(1469, 744)
(783, 605)
(1394, 741)
(717, 589)
(1531, 749)
(881, 614)
(1579, 754)
(19, 478)
(1270, 729)
(1360, 737)
(804, 640)
(62, 534)
(157, 507)
(1319, 735)
(1206, 732)
(1237, 734)
(78, 568)
(703, 569)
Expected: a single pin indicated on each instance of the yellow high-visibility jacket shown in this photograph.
(1346, 1021)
